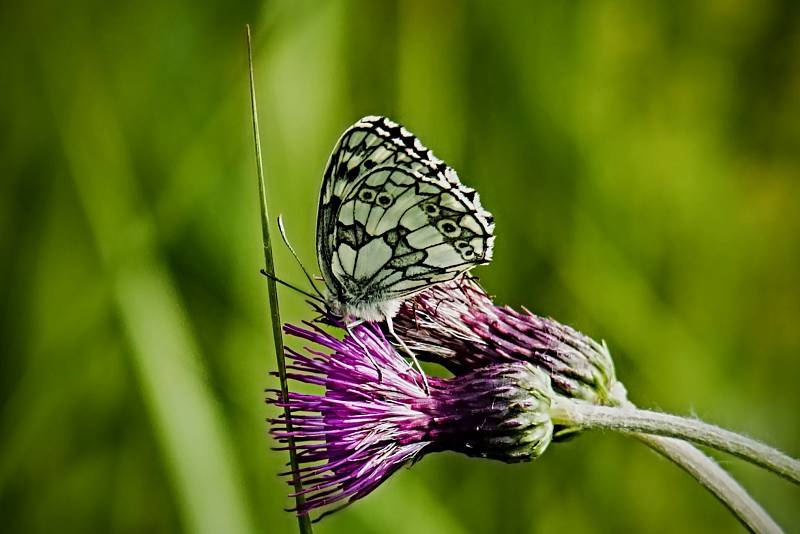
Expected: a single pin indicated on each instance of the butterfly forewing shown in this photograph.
(393, 219)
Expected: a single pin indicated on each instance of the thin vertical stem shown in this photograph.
(275, 316)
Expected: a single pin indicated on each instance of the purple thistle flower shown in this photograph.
(457, 325)
(363, 428)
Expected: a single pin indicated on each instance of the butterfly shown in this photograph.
(393, 220)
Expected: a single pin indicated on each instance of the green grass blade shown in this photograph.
(272, 289)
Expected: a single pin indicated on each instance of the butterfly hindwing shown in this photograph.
(394, 219)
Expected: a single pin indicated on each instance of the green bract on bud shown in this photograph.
(500, 412)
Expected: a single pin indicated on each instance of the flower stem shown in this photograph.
(303, 520)
(633, 420)
(714, 478)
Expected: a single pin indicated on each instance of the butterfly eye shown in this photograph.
(366, 195)
(432, 209)
(384, 199)
(448, 228)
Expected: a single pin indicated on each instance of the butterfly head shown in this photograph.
(360, 310)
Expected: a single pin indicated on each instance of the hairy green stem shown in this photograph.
(303, 520)
(715, 479)
(633, 420)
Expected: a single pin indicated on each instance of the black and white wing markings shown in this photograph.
(393, 219)
(374, 141)
(398, 232)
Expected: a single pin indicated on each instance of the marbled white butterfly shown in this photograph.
(393, 220)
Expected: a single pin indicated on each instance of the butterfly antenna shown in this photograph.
(296, 257)
(290, 286)
(390, 326)
(351, 332)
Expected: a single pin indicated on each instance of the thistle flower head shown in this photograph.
(457, 325)
(362, 427)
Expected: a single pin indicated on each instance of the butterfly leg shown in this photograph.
(351, 332)
(390, 326)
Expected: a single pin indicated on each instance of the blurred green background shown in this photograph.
(642, 161)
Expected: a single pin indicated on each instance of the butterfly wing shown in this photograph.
(394, 219)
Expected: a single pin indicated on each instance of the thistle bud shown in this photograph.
(457, 325)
